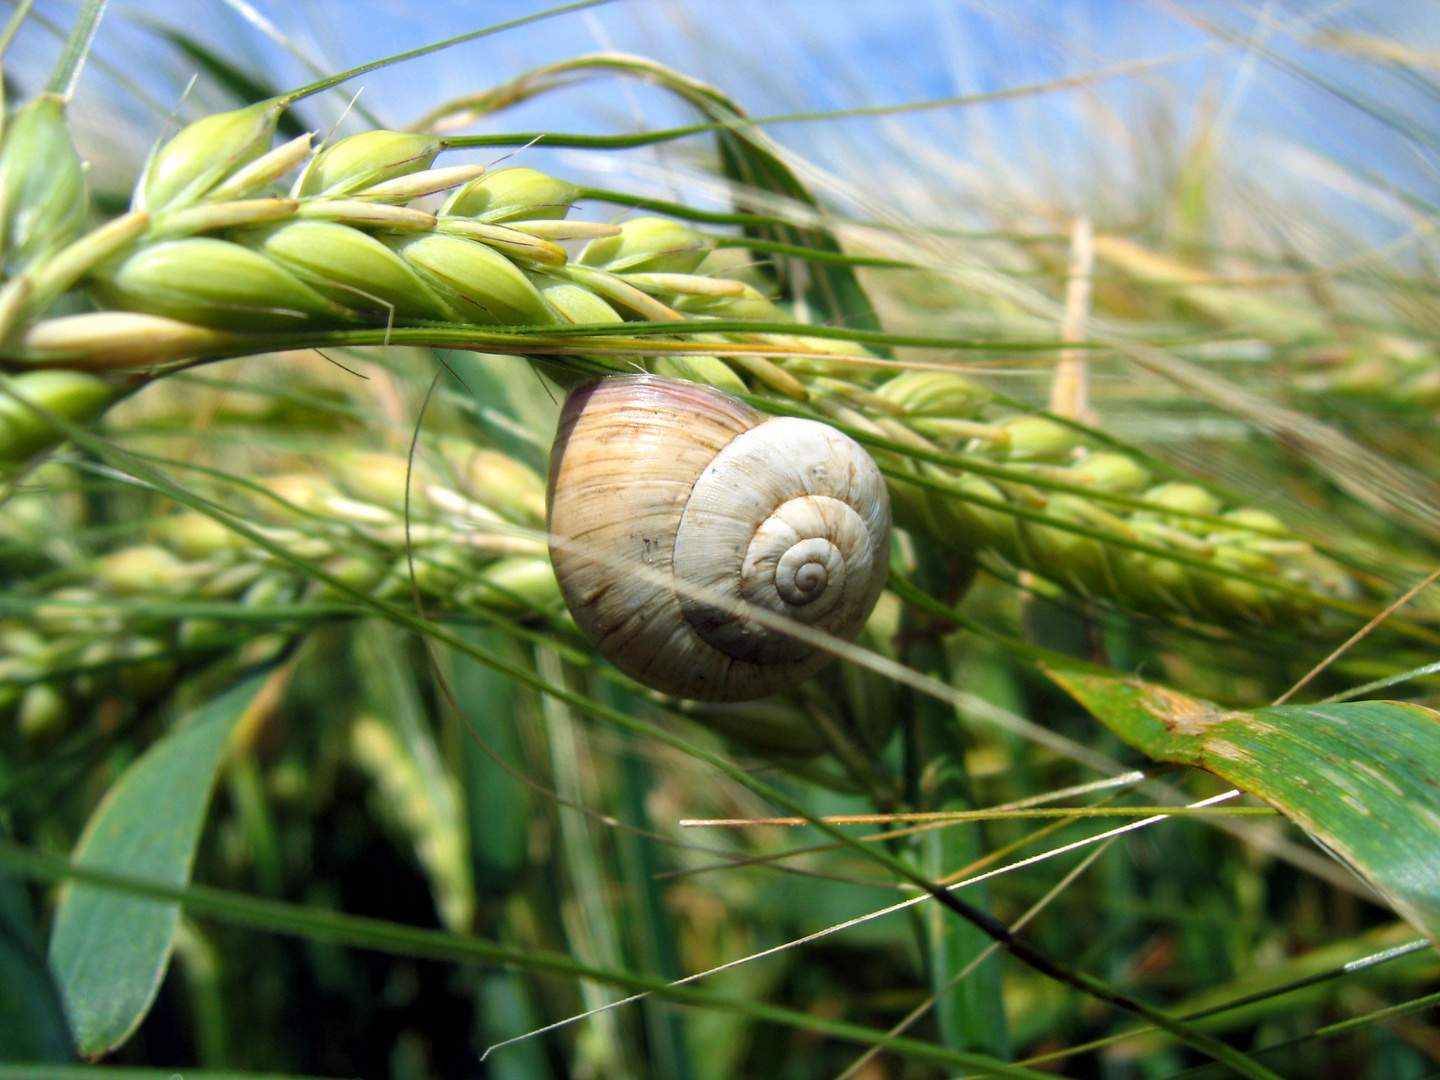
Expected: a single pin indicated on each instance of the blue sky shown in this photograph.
(780, 56)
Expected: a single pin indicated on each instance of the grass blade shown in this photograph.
(316, 924)
(345, 76)
(109, 952)
(77, 48)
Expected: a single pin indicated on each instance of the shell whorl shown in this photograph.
(675, 510)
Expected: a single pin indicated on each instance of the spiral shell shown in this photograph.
(675, 508)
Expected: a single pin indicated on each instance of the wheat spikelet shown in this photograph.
(215, 253)
(477, 550)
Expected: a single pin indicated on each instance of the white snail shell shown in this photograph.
(656, 483)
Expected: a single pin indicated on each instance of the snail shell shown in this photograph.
(656, 483)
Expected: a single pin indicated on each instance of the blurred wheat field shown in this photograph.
(306, 770)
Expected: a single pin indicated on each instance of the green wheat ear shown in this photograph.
(227, 256)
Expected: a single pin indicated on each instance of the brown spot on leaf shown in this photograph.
(1180, 714)
(1221, 748)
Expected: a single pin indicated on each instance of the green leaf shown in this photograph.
(1361, 777)
(32, 1024)
(108, 950)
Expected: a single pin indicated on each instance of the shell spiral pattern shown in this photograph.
(676, 511)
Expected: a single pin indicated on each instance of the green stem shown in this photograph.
(77, 48)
